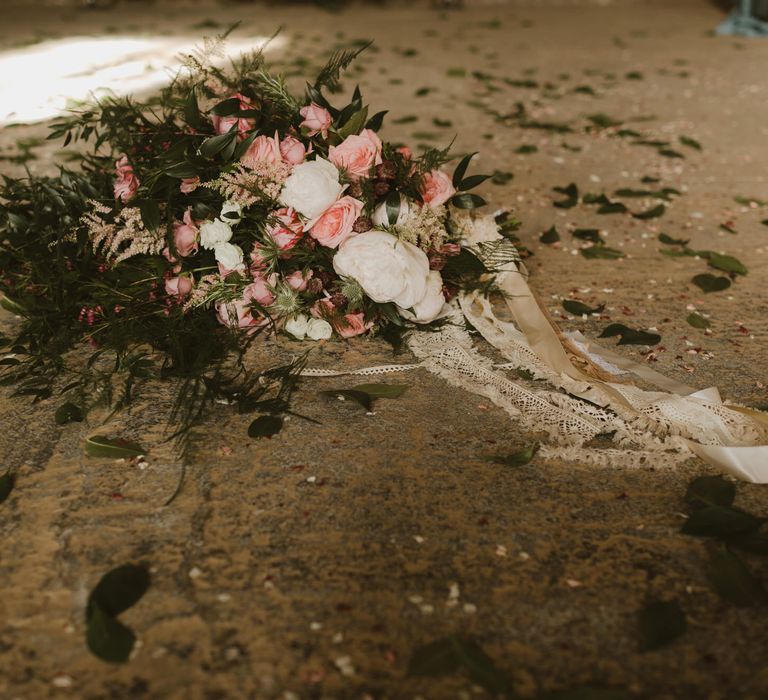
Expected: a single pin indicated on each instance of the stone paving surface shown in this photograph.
(280, 558)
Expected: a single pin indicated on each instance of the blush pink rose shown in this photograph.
(317, 119)
(335, 224)
(221, 125)
(288, 230)
(263, 149)
(436, 188)
(238, 314)
(185, 235)
(357, 153)
(126, 182)
(298, 280)
(178, 286)
(292, 150)
(405, 152)
(189, 184)
(260, 290)
(169, 256)
(354, 324)
(258, 261)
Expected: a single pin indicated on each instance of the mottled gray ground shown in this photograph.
(280, 558)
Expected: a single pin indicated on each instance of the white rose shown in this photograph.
(379, 216)
(229, 256)
(214, 232)
(297, 326)
(231, 213)
(318, 329)
(387, 268)
(433, 303)
(311, 188)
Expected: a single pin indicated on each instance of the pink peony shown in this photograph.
(189, 184)
(317, 119)
(436, 188)
(126, 182)
(357, 153)
(178, 286)
(221, 125)
(298, 280)
(263, 149)
(292, 150)
(185, 235)
(354, 324)
(289, 231)
(335, 225)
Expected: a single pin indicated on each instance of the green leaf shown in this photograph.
(500, 177)
(461, 169)
(660, 623)
(451, 654)
(407, 119)
(732, 580)
(181, 170)
(120, 589)
(586, 692)
(226, 108)
(382, 391)
(361, 397)
(588, 234)
(603, 121)
(579, 309)
(526, 149)
(100, 446)
(630, 336)
(697, 320)
(355, 123)
(613, 208)
(550, 236)
(68, 413)
(192, 110)
(602, 252)
(376, 121)
(265, 426)
(107, 638)
(10, 305)
(519, 458)
(668, 240)
(709, 283)
(670, 153)
(216, 144)
(150, 215)
(571, 193)
(392, 207)
(467, 201)
(720, 521)
(7, 482)
(691, 143)
(653, 213)
(471, 182)
(706, 491)
(727, 263)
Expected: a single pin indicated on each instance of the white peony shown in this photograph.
(312, 187)
(387, 268)
(214, 232)
(318, 329)
(379, 216)
(228, 255)
(231, 213)
(297, 326)
(432, 305)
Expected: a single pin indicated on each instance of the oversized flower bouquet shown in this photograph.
(228, 203)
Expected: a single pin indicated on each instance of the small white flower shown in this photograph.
(230, 256)
(231, 213)
(318, 329)
(214, 232)
(312, 187)
(297, 326)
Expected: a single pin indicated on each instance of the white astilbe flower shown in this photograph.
(424, 228)
(247, 185)
(124, 238)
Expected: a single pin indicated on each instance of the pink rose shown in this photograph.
(354, 324)
(292, 150)
(189, 184)
(221, 125)
(289, 231)
(169, 256)
(260, 290)
(298, 280)
(178, 286)
(126, 182)
(317, 119)
(185, 235)
(436, 188)
(335, 224)
(263, 149)
(258, 261)
(357, 153)
(405, 152)
(238, 314)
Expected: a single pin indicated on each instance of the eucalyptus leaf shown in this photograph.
(710, 283)
(691, 143)
(630, 336)
(666, 239)
(265, 426)
(7, 482)
(120, 589)
(720, 521)
(602, 252)
(726, 263)
(578, 308)
(732, 580)
(68, 413)
(613, 208)
(382, 391)
(697, 320)
(361, 397)
(653, 213)
(706, 491)
(660, 623)
(108, 638)
(109, 448)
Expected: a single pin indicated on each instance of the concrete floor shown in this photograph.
(280, 558)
